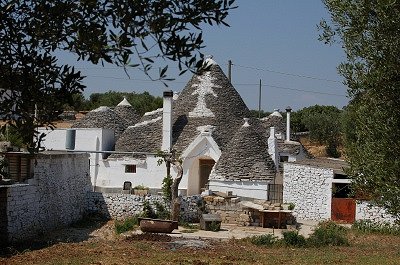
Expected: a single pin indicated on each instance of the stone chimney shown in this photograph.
(273, 146)
(288, 110)
(167, 121)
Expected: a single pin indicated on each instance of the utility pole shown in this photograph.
(230, 71)
(259, 101)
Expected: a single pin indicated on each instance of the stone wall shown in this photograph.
(51, 199)
(121, 206)
(367, 211)
(231, 211)
(310, 189)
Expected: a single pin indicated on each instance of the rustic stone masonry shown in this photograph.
(367, 211)
(53, 198)
(121, 206)
(231, 211)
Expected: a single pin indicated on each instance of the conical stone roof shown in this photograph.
(125, 111)
(208, 99)
(275, 119)
(102, 117)
(246, 157)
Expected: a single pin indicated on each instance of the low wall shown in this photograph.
(51, 199)
(368, 211)
(121, 206)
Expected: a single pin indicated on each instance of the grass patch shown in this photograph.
(368, 226)
(267, 240)
(126, 225)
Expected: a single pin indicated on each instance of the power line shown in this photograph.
(294, 89)
(288, 74)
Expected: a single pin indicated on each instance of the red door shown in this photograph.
(343, 210)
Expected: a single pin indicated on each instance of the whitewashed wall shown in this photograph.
(249, 189)
(86, 139)
(54, 197)
(368, 211)
(310, 189)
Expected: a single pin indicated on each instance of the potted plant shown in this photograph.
(140, 190)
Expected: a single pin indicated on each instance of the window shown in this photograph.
(130, 168)
(283, 158)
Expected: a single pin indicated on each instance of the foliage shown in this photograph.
(368, 226)
(166, 188)
(148, 211)
(291, 206)
(328, 233)
(369, 33)
(142, 103)
(126, 225)
(323, 123)
(214, 226)
(264, 240)
(293, 239)
(126, 33)
(4, 168)
(140, 187)
(161, 211)
(259, 114)
(11, 134)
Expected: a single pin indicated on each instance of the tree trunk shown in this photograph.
(174, 188)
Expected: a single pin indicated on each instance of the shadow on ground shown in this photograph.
(80, 231)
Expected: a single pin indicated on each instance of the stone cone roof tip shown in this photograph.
(127, 113)
(124, 102)
(246, 157)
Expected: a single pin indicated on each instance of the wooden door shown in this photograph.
(343, 210)
(206, 166)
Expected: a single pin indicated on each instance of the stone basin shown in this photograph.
(157, 225)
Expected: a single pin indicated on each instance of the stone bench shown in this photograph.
(210, 222)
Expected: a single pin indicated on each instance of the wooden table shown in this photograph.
(280, 213)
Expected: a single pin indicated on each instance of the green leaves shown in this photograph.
(370, 34)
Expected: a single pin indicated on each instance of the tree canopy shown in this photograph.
(123, 32)
(369, 32)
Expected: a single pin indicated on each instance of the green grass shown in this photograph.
(126, 225)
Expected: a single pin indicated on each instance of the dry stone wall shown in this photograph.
(309, 188)
(53, 198)
(375, 214)
(121, 206)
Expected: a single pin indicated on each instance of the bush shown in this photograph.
(328, 234)
(368, 226)
(161, 211)
(128, 224)
(214, 226)
(148, 211)
(293, 239)
(264, 240)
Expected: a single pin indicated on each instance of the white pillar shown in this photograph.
(167, 121)
(288, 110)
(272, 146)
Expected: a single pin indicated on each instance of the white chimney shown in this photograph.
(288, 110)
(273, 146)
(167, 121)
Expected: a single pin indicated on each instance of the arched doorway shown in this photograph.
(198, 174)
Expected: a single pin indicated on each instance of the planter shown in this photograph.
(140, 192)
(157, 225)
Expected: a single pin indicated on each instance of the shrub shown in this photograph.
(148, 211)
(368, 226)
(328, 234)
(126, 225)
(292, 238)
(161, 211)
(264, 240)
(214, 226)
(166, 188)
(291, 206)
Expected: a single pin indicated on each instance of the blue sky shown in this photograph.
(277, 37)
